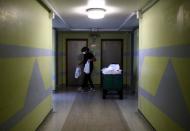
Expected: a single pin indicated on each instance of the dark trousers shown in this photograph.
(87, 78)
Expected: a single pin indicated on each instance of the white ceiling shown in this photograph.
(120, 15)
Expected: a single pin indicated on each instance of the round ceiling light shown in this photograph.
(96, 13)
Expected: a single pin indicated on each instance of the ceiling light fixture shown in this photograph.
(96, 13)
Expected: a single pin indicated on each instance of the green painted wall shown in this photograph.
(136, 59)
(128, 60)
(62, 36)
(164, 61)
(54, 59)
(26, 64)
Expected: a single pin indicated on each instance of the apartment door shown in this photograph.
(73, 56)
(112, 52)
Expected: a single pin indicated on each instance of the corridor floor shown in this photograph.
(76, 111)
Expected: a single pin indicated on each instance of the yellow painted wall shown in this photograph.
(167, 23)
(164, 28)
(24, 24)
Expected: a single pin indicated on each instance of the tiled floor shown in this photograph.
(63, 101)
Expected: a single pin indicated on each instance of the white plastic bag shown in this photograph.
(87, 67)
(114, 66)
(112, 69)
(77, 72)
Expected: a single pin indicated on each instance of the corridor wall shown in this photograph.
(93, 39)
(135, 60)
(26, 66)
(164, 65)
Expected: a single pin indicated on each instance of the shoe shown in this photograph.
(80, 89)
(84, 91)
(92, 89)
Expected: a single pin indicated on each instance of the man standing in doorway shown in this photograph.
(87, 56)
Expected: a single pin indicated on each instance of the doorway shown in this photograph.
(73, 57)
(112, 52)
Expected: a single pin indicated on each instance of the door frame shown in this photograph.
(66, 57)
(102, 40)
(57, 86)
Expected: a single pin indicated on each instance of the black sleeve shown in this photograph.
(91, 56)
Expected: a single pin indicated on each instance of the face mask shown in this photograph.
(84, 52)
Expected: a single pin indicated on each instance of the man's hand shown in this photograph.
(93, 59)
